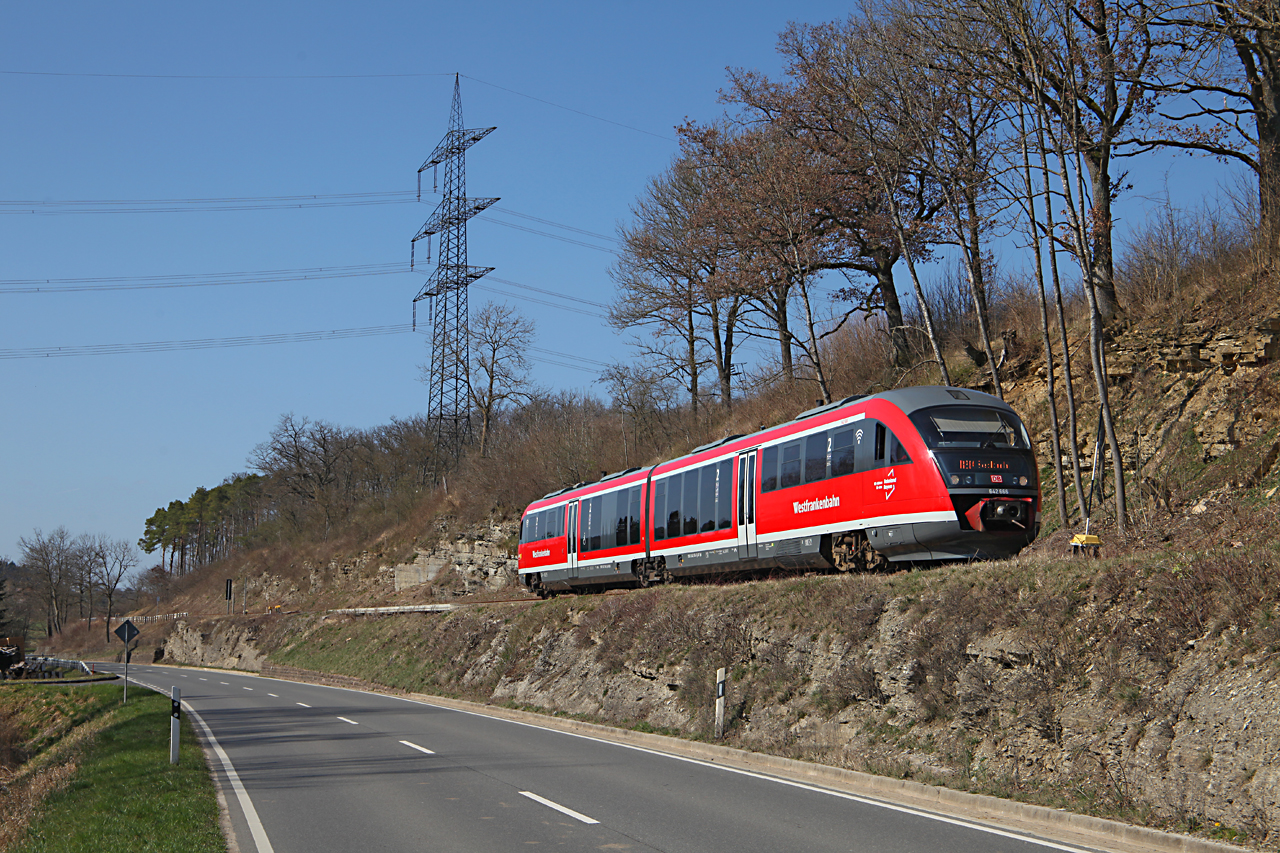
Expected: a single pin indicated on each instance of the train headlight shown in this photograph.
(1022, 481)
(955, 479)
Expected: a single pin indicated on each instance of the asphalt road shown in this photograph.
(315, 768)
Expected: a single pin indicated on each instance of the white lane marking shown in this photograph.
(304, 704)
(345, 720)
(204, 679)
(941, 818)
(562, 809)
(246, 688)
(256, 829)
(180, 675)
(222, 682)
(415, 746)
(273, 696)
(884, 804)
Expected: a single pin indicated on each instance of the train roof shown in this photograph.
(909, 400)
(924, 396)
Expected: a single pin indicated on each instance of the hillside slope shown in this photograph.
(1140, 686)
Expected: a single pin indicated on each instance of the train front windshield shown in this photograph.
(970, 427)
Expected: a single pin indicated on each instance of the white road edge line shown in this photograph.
(870, 801)
(415, 746)
(563, 810)
(256, 829)
(345, 720)
(831, 792)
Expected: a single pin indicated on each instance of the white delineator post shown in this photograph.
(174, 719)
(719, 703)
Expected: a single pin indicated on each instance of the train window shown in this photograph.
(608, 520)
(897, 453)
(970, 426)
(524, 529)
(864, 445)
(790, 470)
(674, 484)
(635, 516)
(689, 502)
(815, 458)
(880, 442)
(724, 496)
(769, 469)
(621, 518)
(595, 515)
(742, 492)
(707, 499)
(660, 509)
(842, 455)
(557, 523)
(539, 526)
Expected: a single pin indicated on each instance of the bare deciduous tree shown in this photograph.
(308, 460)
(111, 561)
(671, 283)
(50, 564)
(499, 370)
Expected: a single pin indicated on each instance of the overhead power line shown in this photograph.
(180, 280)
(554, 293)
(192, 205)
(545, 234)
(89, 74)
(203, 343)
(68, 207)
(223, 76)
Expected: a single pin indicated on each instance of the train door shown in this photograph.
(573, 539)
(747, 505)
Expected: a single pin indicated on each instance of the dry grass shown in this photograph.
(43, 731)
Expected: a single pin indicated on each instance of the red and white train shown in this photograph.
(914, 474)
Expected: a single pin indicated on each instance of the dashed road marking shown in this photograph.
(304, 704)
(562, 809)
(419, 748)
(345, 720)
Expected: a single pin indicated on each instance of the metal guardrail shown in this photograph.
(158, 617)
(382, 611)
(42, 663)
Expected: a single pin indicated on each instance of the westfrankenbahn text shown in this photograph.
(820, 503)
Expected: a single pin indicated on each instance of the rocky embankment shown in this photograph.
(1143, 687)
(1138, 690)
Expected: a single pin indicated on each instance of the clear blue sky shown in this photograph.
(232, 101)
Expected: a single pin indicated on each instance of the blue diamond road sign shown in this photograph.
(127, 631)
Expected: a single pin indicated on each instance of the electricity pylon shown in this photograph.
(448, 404)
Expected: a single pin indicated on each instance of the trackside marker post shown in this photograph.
(174, 718)
(719, 703)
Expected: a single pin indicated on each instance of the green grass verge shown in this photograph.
(126, 796)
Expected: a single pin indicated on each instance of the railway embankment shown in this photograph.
(1142, 687)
